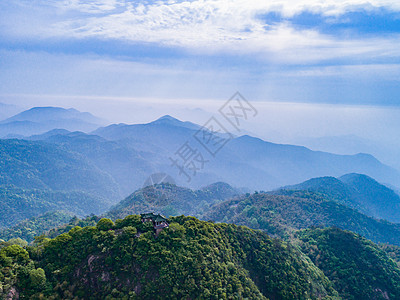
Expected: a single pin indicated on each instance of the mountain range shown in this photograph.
(131, 153)
(39, 120)
(111, 162)
(313, 240)
(279, 213)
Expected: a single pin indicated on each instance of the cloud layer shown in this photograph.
(342, 51)
(269, 29)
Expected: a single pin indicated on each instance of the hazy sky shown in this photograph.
(344, 51)
(338, 60)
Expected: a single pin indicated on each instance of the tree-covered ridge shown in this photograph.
(18, 204)
(40, 165)
(357, 191)
(36, 226)
(39, 177)
(357, 268)
(392, 251)
(282, 212)
(172, 200)
(191, 259)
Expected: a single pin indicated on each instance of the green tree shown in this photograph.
(38, 278)
(105, 224)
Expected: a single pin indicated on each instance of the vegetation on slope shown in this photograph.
(36, 226)
(358, 268)
(172, 200)
(191, 259)
(18, 204)
(282, 213)
(357, 191)
(39, 177)
(39, 165)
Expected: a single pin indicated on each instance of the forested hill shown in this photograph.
(38, 177)
(172, 200)
(282, 212)
(357, 268)
(191, 259)
(357, 191)
(28, 229)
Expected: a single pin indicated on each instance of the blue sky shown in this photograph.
(314, 51)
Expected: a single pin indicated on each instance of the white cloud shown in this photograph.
(94, 7)
(224, 25)
(207, 26)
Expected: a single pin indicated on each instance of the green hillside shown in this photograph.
(191, 259)
(357, 268)
(39, 165)
(38, 177)
(18, 204)
(172, 200)
(357, 191)
(283, 212)
(28, 229)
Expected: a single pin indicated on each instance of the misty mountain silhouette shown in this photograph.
(38, 120)
(131, 153)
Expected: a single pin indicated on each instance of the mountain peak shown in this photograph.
(169, 120)
(167, 117)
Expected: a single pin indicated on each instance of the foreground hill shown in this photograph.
(357, 268)
(41, 119)
(198, 260)
(172, 200)
(283, 212)
(190, 259)
(358, 191)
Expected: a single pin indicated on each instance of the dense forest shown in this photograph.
(190, 259)
(282, 212)
(197, 260)
(291, 252)
(28, 229)
(337, 252)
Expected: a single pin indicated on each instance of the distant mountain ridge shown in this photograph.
(38, 120)
(357, 191)
(245, 161)
(131, 153)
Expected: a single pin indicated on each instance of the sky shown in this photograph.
(313, 68)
